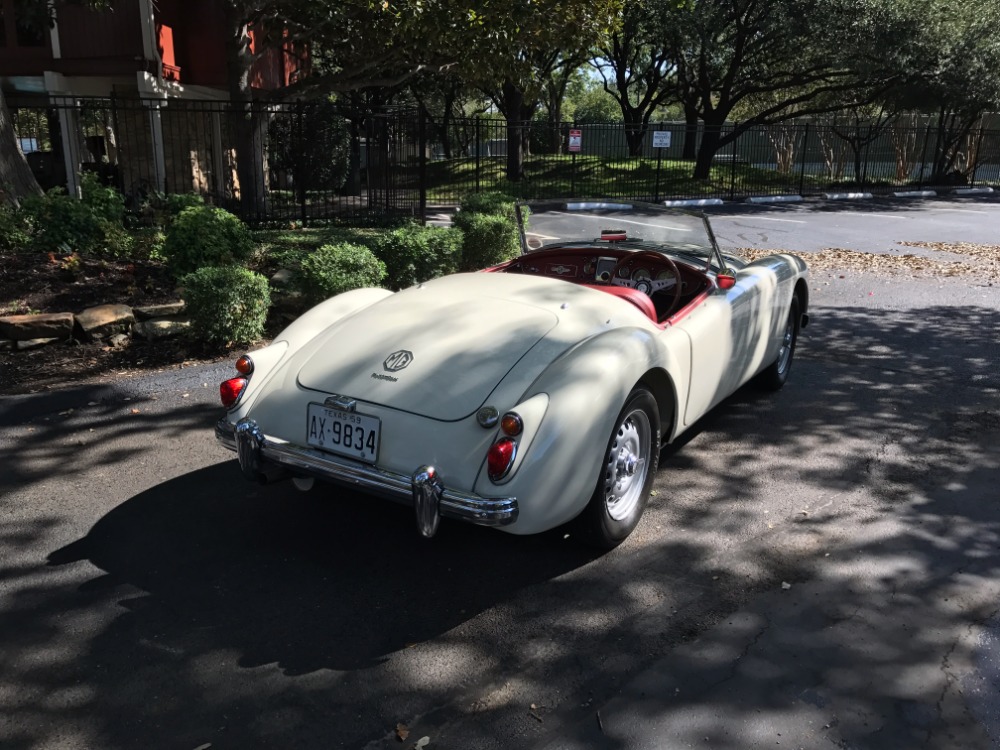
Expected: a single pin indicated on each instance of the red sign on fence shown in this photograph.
(575, 140)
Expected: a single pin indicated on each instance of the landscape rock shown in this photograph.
(34, 343)
(148, 312)
(118, 340)
(6, 345)
(282, 277)
(105, 320)
(29, 327)
(161, 328)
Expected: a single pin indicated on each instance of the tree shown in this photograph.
(635, 66)
(797, 53)
(522, 42)
(952, 70)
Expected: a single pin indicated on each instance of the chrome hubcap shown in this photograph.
(626, 465)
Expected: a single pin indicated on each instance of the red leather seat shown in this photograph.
(637, 298)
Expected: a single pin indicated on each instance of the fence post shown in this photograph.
(659, 161)
(978, 154)
(923, 156)
(732, 168)
(300, 181)
(572, 177)
(118, 143)
(479, 148)
(805, 151)
(422, 162)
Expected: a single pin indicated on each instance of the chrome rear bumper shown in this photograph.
(260, 456)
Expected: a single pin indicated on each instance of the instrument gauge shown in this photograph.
(665, 275)
(588, 267)
(641, 274)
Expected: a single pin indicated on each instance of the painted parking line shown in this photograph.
(963, 210)
(786, 221)
(884, 216)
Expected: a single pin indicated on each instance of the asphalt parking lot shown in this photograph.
(818, 567)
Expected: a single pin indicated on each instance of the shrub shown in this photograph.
(177, 202)
(413, 254)
(488, 239)
(333, 269)
(104, 202)
(227, 305)
(201, 236)
(487, 203)
(15, 229)
(89, 226)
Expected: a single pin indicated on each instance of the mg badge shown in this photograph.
(397, 360)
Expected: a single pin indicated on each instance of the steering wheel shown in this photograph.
(653, 285)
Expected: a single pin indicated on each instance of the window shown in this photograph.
(23, 23)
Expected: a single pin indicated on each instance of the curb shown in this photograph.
(848, 196)
(916, 194)
(694, 202)
(972, 191)
(775, 199)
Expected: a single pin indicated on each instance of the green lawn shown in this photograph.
(551, 176)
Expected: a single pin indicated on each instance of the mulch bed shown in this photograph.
(33, 283)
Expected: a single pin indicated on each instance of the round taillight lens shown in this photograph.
(500, 458)
(231, 390)
(244, 365)
(511, 424)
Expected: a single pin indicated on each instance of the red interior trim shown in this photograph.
(686, 310)
(637, 298)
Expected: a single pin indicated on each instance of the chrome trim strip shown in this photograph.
(484, 511)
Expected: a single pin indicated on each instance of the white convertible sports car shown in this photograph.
(528, 395)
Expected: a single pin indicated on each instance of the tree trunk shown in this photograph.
(635, 132)
(690, 133)
(248, 124)
(706, 152)
(513, 103)
(16, 179)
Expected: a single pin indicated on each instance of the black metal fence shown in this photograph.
(312, 161)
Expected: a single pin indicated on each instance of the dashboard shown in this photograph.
(643, 273)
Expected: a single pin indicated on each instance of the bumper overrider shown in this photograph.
(264, 458)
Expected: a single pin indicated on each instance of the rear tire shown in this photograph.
(776, 374)
(627, 472)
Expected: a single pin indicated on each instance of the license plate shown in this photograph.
(346, 433)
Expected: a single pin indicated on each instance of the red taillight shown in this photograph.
(231, 390)
(500, 458)
(244, 366)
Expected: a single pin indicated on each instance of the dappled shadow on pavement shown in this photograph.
(246, 616)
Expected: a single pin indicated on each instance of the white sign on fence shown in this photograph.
(661, 139)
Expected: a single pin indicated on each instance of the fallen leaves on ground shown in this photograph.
(838, 258)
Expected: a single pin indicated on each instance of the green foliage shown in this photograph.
(203, 236)
(89, 226)
(413, 254)
(227, 305)
(484, 203)
(312, 143)
(104, 202)
(177, 202)
(488, 239)
(15, 230)
(334, 269)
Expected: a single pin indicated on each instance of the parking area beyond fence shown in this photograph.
(317, 161)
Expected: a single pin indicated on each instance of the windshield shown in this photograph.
(640, 225)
